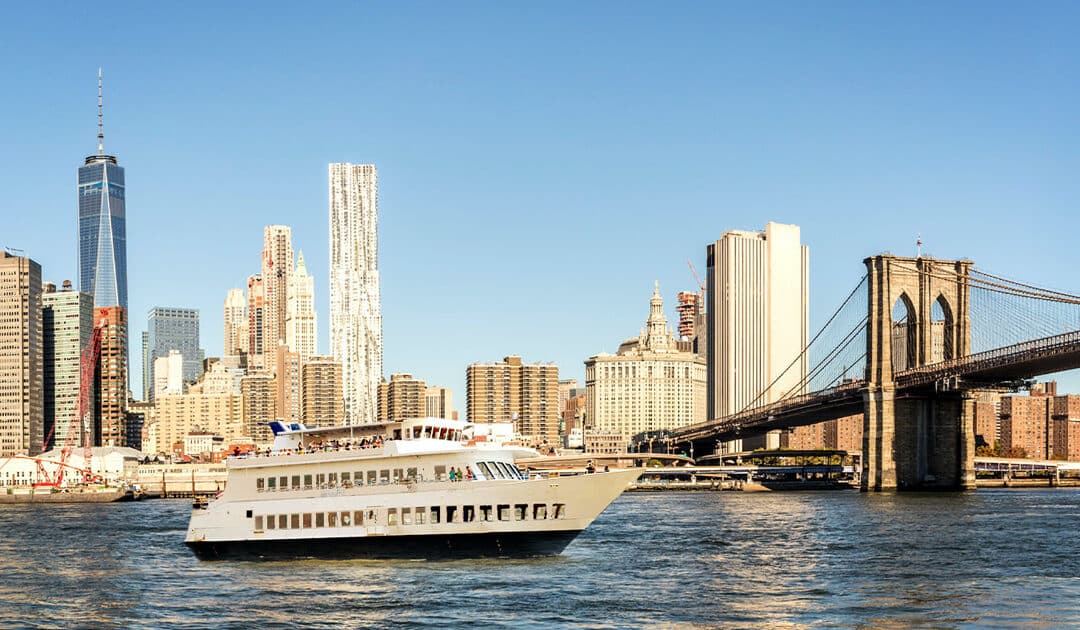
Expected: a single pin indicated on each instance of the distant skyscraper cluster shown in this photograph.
(355, 306)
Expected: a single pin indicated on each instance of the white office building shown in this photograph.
(757, 319)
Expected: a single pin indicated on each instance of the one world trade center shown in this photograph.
(102, 240)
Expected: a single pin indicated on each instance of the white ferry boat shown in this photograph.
(410, 489)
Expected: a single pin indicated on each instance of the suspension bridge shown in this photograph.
(909, 348)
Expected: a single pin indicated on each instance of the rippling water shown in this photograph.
(988, 558)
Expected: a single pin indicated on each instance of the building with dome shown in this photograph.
(649, 384)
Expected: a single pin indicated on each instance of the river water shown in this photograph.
(829, 559)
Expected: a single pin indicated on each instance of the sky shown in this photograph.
(542, 164)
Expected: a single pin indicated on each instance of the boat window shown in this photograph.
(384, 476)
(260, 484)
(560, 511)
(504, 512)
(270, 522)
(416, 432)
(331, 519)
(485, 513)
(320, 481)
(271, 484)
(307, 482)
(495, 471)
(294, 521)
(410, 473)
(258, 523)
(391, 517)
(346, 519)
(307, 520)
(511, 471)
(371, 475)
(320, 519)
(296, 482)
(539, 511)
(421, 514)
(483, 472)
(521, 511)
(358, 518)
(397, 434)
(398, 476)
(468, 513)
(452, 514)
(283, 521)
(283, 484)
(372, 517)
(436, 512)
(406, 516)
(346, 480)
(440, 473)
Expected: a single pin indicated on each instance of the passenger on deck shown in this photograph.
(468, 474)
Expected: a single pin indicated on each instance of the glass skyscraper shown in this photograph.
(102, 240)
(173, 329)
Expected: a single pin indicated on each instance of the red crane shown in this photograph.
(82, 421)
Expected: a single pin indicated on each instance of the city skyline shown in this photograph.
(888, 146)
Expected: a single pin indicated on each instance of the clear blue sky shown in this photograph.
(542, 163)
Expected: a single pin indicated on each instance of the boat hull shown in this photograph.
(417, 547)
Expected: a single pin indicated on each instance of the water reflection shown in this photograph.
(697, 559)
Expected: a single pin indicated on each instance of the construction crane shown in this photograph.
(697, 278)
(82, 421)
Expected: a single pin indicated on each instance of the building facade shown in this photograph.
(321, 377)
(259, 398)
(22, 387)
(402, 397)
(301, 322)
(287, 384)
(355, 306)
(526, 395)
(277, 264)
(256, 301)
(67, 318)
(210, 406)
(439, 403)
(236, 323)
(102, 225)
(169, 374)
(648, 385)
(756, 319)
(111, 386)
(174, 328)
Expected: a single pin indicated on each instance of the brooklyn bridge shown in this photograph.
(909, 348)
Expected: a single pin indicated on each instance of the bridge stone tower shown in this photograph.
(919, 439)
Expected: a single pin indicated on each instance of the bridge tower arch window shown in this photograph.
(904, 333)
(942, 331)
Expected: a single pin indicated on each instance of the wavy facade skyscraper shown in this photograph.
(102, 225)
(355, 306)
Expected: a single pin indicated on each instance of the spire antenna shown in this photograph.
(100, 118)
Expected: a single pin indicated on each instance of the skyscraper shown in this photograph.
(288, 386)
(236, 323)
(102, 229)
(355, 308)
(111, 386)
(757, 317)
(301, 323)
(256, 321)
(67, 323)
(401, 398)
(22, 400)
(175, 329)
(277, 262)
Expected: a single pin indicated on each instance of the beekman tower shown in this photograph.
(102, 240)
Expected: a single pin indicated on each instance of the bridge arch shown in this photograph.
(905, 341)
(942, 331)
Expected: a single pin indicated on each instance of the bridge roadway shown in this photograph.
(983, 369)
